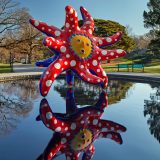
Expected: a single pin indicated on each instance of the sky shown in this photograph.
(125, 12)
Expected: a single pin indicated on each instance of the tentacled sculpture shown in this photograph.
(76, 131)
(76, 49)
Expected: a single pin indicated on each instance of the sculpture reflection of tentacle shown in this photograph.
(77, 130)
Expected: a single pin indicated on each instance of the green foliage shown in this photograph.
(152, 20)
(105, 28)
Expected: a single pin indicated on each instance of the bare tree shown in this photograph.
(11, 16)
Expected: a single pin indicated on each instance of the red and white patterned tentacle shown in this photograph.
(87, 76)
(111, 54)
(111, 135)
(51, 73)
(46, 29)
(88, 21)
(71, 22)
(55, 44)
(107, 125)
(89, 153)
(100, 72)
(105, 41)
(53, 151)
(72, 156)
(49, 119)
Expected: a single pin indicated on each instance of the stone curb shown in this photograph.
(120, 76)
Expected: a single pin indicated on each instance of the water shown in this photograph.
(133, 105)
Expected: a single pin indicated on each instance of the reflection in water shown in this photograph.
(116, 91)
(16, 100)
(76, 131)
(152, 109)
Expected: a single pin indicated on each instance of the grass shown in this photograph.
(5, 68)
(153, 67)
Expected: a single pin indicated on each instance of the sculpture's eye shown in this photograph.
(87, 44)
(78, 40)
(83, 136)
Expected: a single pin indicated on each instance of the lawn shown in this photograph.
(153, 67)
(5, 68)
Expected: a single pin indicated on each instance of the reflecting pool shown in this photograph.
(123, 123)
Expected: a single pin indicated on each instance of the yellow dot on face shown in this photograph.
(81, 45)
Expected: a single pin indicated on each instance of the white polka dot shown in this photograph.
(67, 25)
(104, 52)
(47, 72)
(108, 39)
(98, 80)
(88, 22)
(89, 79)
(71, 11)
(118, 33)
(81, 74)
(89, 112)
(69, 30)
(100, 41)
(81, 66)
(65, 62)
(119, 50)
(48, 83)
(90, 31)
(43, 28)
(62, 48)
(99, 124)
(67, 55)
(78, 28)
(72, 25)
(66, 129)
(63, 140)
(95, 121)
(98, 70)
(49, 30)
(76, 15)
(57, 65)
(109, 136)
(73, 63)
(112, 128)
(58, 129)
(55, 75)
(73, 126)
(99, 58)
(112, 53)
(81, 115)
(68, 134)
(71, 19)
(36, 23)
(94, 62)
(82, 122)
(104, 73)
(49, 115)
(104, 130)
(57, 33)
(55, 121)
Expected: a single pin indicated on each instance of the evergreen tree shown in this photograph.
(152, 20)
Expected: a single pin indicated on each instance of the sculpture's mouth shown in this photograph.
(81, 45)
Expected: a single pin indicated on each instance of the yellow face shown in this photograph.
(81, 140)
(82, 46)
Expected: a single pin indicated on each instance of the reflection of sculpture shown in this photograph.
(76, 49)
(76, 130)
(152, 108)
(117, 90)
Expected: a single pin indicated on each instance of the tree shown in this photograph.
(11, 16)
(105, 28)
(152, 20)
